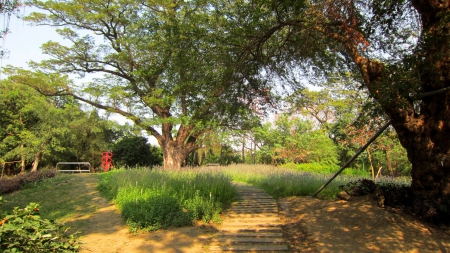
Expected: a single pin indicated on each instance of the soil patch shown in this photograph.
(358, 225)
(311, 225)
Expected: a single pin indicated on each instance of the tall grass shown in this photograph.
(318, 168)
(154, 199)
(284, 182)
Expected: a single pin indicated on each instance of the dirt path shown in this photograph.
(104, 231)
(310, 225)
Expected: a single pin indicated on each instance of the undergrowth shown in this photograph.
(25, 231)
(15, 183)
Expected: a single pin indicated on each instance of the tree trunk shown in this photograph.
(243, 149)
(369, 155)
(389, 163)
(22, 160)
(423, 133)
(427, 139)
(37, 157)
(175, 152)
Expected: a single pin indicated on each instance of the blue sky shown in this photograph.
(24, 41)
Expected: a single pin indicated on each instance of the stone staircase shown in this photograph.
(250, 225)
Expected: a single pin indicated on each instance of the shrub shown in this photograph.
(25, 231)
(8, 185)
(359, 187)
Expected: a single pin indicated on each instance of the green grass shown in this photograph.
(59, 197)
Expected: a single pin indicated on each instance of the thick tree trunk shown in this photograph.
(427, 139)
(176, 150)
(424, 133)
(173, 157)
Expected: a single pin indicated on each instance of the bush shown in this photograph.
(25, 231)
(360, 187)
(8, 185)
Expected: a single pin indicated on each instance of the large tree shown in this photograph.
(401, 50)
(168, 66)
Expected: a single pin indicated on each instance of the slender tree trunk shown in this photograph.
(369, 156)
(22, 160)
(37, 157)
(243, 149)
(389, 163)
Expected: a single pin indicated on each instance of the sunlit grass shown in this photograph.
(60, 197)
(284, 182)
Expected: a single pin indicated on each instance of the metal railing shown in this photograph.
(75, 170)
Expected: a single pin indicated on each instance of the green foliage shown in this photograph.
(135, 151)
(153, 199)
(292, 139)
(25, 231)
(44, 131)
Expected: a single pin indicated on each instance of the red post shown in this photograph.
(107, 161)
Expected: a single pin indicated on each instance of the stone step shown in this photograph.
(257, 235)
(254, 211)
(253, 219)
(249, 248)
(251, 215)
(251, 223)
(238, 240)
(254, 204)
(251, 229)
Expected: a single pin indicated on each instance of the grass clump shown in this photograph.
(154, 199)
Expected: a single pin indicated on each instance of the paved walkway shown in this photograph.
(251, 224)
